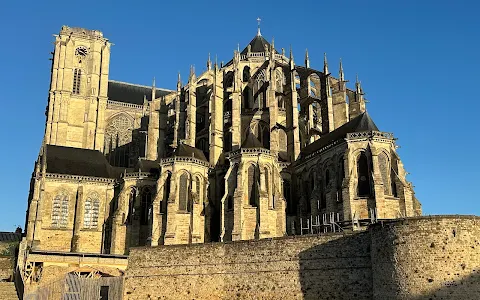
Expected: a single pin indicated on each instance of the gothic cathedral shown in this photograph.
(249, 149)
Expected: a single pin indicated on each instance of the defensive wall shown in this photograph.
(415, 258)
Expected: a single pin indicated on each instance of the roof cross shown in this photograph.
(258, 29)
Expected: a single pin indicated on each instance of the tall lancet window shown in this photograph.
(252, 185)
(146, 207)
(60, 210)
(92, 207)
(384, 171)
(259, 91)
(364, 176)
(183, 193)
(77, 77)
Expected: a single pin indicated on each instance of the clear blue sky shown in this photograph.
(418, 62)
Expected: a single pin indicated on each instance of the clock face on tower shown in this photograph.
(81, 51)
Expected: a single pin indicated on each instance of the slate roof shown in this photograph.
(148, 166)
(132, 93)
(7, 237)
(189, 151)
(76, 161)
(360, 123)
(257, 45)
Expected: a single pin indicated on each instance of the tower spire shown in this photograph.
(307, 59)
(325, 64)
(258, 28)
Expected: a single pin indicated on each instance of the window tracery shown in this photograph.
(60, 210)
(92, 207)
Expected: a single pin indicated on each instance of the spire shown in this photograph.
(292, 64)
(341, 75)
(216, 63)
(307, 59)
(209, 63)
(153, 88)
(258, 28)
(325, 64)
(179, 82)
(192, 74)
(358, 86)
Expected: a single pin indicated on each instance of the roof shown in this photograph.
(132, 93)
(362, 122)
(189, 151)
(77, 161)
(7, 237)
(146, 165)
(251, 141)
(257, 45)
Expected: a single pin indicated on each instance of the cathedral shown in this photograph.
(255, 148)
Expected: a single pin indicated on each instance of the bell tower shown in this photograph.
(78, 90)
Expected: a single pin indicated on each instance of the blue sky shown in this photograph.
(418, 62)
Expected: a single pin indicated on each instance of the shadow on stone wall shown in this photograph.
(465, 289)
(338, 269)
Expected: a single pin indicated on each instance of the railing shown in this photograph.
(115, 104)
(368, 134)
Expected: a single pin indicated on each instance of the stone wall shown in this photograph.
(335, 266)
(416, 258)
(427, 258)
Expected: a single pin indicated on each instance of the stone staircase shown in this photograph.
(7, 291)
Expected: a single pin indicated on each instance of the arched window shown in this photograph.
(198, 189)
(228, 81)
(92, 207)
(131, 206)
(246, 74)
(252, 185)
(262, 132)
(364, 176)
(166, 193)
(268, 188)
(247, 98)
(393, 177)
(227, 141)
(77, 76)
(183, 193)
(146, 207)
(118, 138)
(259, 91)
(60, 210)
(384, 168)
(279, 81)
(291, 207)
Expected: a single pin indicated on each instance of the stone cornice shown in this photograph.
(79, 178)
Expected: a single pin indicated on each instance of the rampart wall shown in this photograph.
(415, 258)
